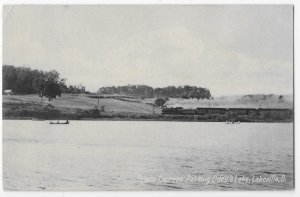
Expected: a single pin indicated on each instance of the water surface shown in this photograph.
(138, 155)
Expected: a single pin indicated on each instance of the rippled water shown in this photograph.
(128, 155)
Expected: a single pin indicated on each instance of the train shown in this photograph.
(222, 111)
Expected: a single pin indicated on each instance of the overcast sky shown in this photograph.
(227, 49)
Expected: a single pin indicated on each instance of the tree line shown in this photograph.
(24, 80)
(144, 91)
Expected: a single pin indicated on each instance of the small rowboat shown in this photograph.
(232, 122)
(67, 122)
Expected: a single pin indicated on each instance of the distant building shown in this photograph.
(8, 92)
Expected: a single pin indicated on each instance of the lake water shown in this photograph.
(141, 155)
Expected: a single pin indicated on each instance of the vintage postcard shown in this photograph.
(148, 97)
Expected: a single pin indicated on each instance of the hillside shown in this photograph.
(73, 102)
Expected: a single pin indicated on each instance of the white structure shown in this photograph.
(8, 92)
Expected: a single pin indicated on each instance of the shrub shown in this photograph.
(89, 113)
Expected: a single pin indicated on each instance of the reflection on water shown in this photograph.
(108, 155)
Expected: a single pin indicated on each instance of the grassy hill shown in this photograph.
(71, 102)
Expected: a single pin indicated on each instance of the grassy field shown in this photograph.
(71, 102)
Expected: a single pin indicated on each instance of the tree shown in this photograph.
(47, 88)
(280, 99)
(9, 77)
(24, 80)
(51, 90)
(144, 91)
(38, 86)
(160, 102)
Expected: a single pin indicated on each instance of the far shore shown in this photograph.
(153, 119)
(84, 107)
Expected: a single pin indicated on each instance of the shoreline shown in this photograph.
(150, 119)
(74, 107)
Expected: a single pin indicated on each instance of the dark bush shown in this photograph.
(88, 113)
